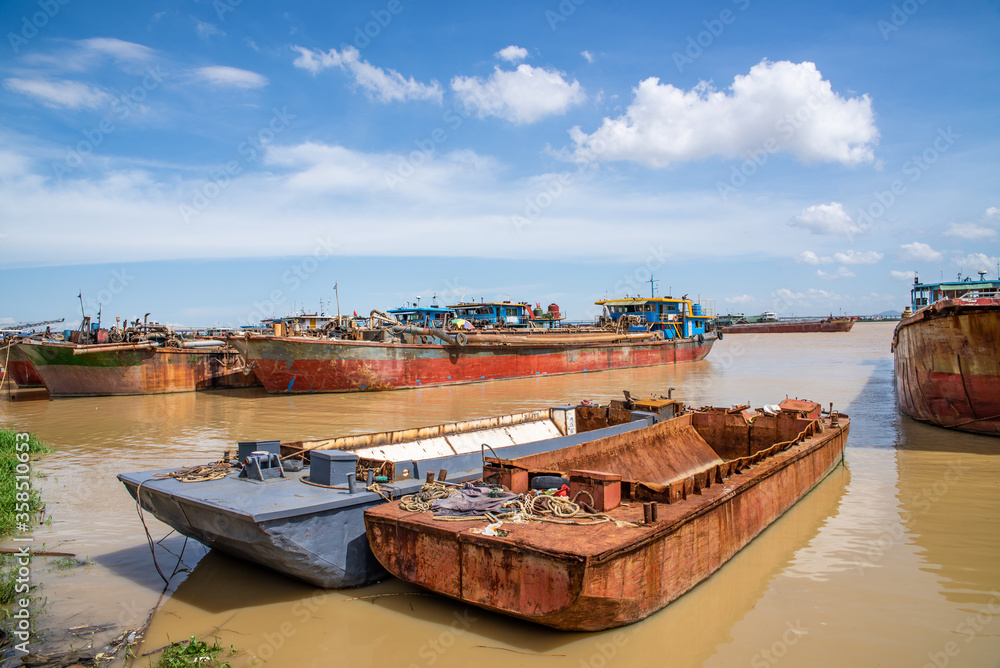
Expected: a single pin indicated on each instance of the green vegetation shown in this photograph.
(193, 654)
(19, 502)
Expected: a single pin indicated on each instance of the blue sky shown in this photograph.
(210, 162)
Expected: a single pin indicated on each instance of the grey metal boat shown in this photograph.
(310, 524)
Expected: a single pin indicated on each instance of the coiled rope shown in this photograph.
(199, 473)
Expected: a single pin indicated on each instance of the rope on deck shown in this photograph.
(199, 473)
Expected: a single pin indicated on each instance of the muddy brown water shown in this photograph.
(894, 560)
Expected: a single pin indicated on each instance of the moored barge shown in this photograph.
(645, 332)
(309, 524)
(947, 367)
(674, 502)
(769, 323)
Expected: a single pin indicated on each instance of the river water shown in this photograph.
(893, 560)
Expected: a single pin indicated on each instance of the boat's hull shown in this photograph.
(947, 367)
(800, 327)
(128, 370)
(315, 365)
(326, 548)
(20, 370)
(652, 565)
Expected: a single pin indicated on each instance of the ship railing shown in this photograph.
(989, 293)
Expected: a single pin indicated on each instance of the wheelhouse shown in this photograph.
(924, 294)
(676, 318)
(494, 314)
(422, 316)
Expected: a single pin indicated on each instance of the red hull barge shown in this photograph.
(795, 327)
(75, 370)
(718, 479)
(20, 370)
(290, 364)
(947, 367)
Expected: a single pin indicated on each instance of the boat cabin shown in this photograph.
(924, 294)
(494, 314)
(422, 316)
(676, 318)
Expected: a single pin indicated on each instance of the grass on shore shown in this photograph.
(11, 504)
(194, 653)
(27, 506)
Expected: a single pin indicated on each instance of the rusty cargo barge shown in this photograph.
(18, 368)
(677, 499)
(775, 326)
(947, 370)
(637, 332)
(90, 370)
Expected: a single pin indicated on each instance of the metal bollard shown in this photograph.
(371, 477)
(647, 513)
(430, 477)
(352, 483)
(442, 474)
(653, 510)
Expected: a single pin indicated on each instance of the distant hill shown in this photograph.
(889, 314)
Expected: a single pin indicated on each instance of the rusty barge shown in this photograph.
(146, 358)
(947, 369)
(18, 368)
(674, 502)
(768, 323)
(308, 523)
(637, 332)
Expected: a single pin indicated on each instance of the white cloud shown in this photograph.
(59, 92)
(808, 257)
(969, 231)
(777, 107)
(919, 252)
(512, 53)
(524, 95)
(827, 219)
(740, 299)
(116, 48)
(842, 272)
(206, 30)
(972, 231)
(588, 55)
(973, 263)
(378, 84)
(221, 75)
(858, 257)
(903, 275)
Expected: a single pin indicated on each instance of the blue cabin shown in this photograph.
(676, 318)
(924, 294)
(422, 316)
(494, 314)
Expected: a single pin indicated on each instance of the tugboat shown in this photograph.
(947, 371)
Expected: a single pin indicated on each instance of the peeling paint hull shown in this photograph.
(590, 578)
(21, 370)
(947, 366)
(288, 364)
(132, 371)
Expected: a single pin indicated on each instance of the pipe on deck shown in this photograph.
(428, 331)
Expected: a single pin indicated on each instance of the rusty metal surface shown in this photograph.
(590, 578)
(800, 327)
(947, 369)
(300, 364)
(130, 369)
